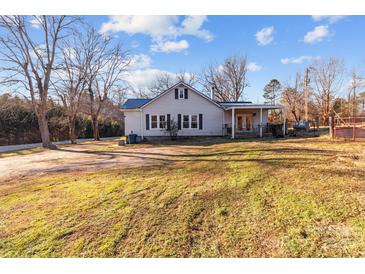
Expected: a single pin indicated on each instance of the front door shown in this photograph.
(240, 125)
(248, 122)
(244, 122)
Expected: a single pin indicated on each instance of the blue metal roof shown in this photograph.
(134, 103)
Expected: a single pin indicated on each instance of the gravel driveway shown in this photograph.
(85, 157)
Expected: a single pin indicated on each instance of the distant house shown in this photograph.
(195, 114)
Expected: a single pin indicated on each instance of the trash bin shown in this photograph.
(132, 138)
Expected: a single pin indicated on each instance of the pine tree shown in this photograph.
(271, 91)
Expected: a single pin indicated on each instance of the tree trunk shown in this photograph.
(44, 130)
(72, 130)
(95, 125)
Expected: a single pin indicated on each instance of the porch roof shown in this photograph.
(238, 105)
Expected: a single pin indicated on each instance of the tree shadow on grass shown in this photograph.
(290, 158)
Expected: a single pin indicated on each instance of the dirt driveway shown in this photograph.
(104, 154)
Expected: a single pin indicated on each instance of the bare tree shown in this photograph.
(72, 75)
(28, 61)
(105, 76)
(355, 101)
(292, 98)
(165, 80)
(328, 76)
(162, 82)
(189, 78)
(228, 80)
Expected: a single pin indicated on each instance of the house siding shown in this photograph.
(133, 122)
(193, 105)
(215, 119)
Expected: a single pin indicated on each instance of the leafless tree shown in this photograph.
(27, 61)
(227, 80)
(105, 76)
(189, 78)
(328, 77)
(293, 100)
(71, 81)
(355, 97)
(166, 80)
(162, 82)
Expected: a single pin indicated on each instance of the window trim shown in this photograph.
(196, 121)
(181, 93)
(183, 121)
(164, 121)
(190, 119)
(158, 122)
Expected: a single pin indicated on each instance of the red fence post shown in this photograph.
(331, 124)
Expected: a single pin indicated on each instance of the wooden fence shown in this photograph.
(349, 127)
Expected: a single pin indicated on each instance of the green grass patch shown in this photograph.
(286, 198)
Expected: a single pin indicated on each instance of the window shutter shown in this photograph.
(186, 93)
(176, 93)
(179, 121)
(168, 123)
(147, 121)
(200, 121)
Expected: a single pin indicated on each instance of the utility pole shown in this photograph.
(354, 104)
(354, 94)
(306, 83)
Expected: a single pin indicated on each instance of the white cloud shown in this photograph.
(38, 50)
(317, 35)
(330, 18)
(142, 78)
(70, 53)
(265, 36)
(35, 22)
(169, 46)
(146, 24)
(163, 30)
(254, 67)
(158, 26)
(140, 61)
(298, 60)
(192, 25)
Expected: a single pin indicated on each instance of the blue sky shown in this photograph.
(276, 46)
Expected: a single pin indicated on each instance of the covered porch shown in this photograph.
(248, 119)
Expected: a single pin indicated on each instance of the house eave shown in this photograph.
(253, 106)
(130, 109)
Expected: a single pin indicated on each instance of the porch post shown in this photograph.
(260, 122)
(284, 118)
(233, 124)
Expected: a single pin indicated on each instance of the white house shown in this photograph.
(195, 113)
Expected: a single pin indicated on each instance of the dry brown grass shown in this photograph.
(299, 197)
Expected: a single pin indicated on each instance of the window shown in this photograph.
(162, 121)
(158, 121)
(185, 121)
(181, 93)
(153, 121)
(194, 121)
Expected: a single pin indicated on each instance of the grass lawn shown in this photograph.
(302, 197)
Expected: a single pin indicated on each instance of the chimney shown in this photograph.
(212, 93)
